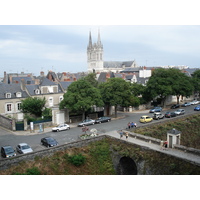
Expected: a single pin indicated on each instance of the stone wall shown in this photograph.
(5, 122)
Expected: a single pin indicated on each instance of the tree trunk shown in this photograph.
(83, 115)
(115, 111)
(178, 96)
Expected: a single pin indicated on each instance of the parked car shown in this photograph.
(158, 115)
(197, 108)
(7, 151)
(145, 119)
(102, 119)
(23, 148)
(156, 109)
(180, 112)
(170, 114)
(61, 127)
(186, 104)
(194, 102)
(49, 142)
(87, 122)
(175, 106)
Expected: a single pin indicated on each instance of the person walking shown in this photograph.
(165, 145)
(129, 125)
(127, 135)
(121, 134)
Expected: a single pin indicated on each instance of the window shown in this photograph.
(50, 101)
(8, 95)
(37, 91)
(60, 98)
(9, 107)
(18, 106)
(18, 94)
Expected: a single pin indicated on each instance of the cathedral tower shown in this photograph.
(95, 55)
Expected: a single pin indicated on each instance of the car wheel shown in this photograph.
(108, 120)
(58, 130)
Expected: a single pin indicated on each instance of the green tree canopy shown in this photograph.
(117, 91)
(91, 78)
(164, 82)
(81, 96)
(196, 80)
(33, 105)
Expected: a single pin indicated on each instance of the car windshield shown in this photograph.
(50, 140)
(9, 150)
(25, 147)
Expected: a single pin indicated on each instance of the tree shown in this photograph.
(164, 82)
(91, 78)
(81, 96)
(117, 91)
(159, 85)
(33, 105)
(196, 80)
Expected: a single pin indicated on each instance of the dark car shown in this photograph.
(175, 106)
(102, 119)
(170, 114)
(49, 142)
(7, 151)
(156, 109)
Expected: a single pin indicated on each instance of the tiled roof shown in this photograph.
(11, 88)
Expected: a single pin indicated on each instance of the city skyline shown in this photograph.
(35, 48)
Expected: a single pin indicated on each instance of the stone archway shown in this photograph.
(126, 166)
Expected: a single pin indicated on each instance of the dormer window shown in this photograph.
(18, 94)
(37, 91)
(8, 95)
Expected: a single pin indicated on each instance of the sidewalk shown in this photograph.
(173, 152)
(49, 129)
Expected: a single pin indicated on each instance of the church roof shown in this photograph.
(118, 64)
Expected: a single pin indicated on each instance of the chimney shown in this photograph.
(42, 73)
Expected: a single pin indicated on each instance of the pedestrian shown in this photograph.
(161, 144)
(165, 145)
(129, 125)
(121, 134)
(126, 135)
(132, 124)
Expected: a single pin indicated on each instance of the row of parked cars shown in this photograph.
(86, 122)
(23, 148)
(158, 115)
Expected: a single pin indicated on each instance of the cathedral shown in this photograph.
(96, 63)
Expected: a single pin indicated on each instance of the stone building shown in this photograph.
(96, 63)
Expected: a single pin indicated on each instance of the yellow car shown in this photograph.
(145, 119)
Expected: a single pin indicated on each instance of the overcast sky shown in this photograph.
(35, 48)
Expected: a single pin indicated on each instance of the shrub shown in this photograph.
(77, 160)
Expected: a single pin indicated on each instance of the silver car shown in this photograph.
(23, 148)
(180, 112)
(87, 122)
(61, 127)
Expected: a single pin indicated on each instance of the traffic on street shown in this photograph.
(9, 138)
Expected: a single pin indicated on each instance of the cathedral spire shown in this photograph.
(90, 40)
(99, 39)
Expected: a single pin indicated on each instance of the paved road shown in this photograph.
(33, 139)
